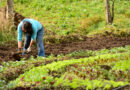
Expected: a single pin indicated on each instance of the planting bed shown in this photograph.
(86, 69)
(105, 72)
(73, 62)
(101, 42)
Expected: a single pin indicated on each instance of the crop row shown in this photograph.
(8, 70)
(48, 75)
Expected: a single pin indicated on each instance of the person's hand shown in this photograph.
(29, 49)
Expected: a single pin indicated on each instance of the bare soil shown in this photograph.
(66, 45)
(8, 50)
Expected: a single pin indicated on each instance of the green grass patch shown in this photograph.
(75, 16)
(7, 35)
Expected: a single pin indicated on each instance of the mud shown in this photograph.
(101, 42)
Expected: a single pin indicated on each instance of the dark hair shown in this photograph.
(27, 26)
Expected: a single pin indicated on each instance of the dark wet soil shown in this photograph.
(8, 51)
(67, 44)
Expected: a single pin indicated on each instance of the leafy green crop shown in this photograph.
(37, 74)
(122, 65)
(77, 66)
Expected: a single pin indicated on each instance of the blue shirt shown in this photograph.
(36, 26)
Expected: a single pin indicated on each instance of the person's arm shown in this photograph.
(19, 44)
(19, 35)
(32, 42)
(29, 48)
(33, 37)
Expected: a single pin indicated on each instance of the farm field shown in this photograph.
(65, 47)
(70, 67)
(103, 69)
(82, 51)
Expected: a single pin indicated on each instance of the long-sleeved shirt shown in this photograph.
(36, 26)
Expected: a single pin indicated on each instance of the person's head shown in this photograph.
(27, 27)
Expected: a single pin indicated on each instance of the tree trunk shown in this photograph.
(113, 10)
(108, 12)
(10, 13)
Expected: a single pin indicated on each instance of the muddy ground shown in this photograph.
(101, 42)
(66, 45)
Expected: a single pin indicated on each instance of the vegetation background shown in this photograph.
(101, 69)
(72, 17)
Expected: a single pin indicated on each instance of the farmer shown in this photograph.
(32, 30)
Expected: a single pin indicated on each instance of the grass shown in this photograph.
(76, 16)
(7, 35)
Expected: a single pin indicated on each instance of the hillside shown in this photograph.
(67, 17)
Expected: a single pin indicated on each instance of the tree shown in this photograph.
(10, 12)
(109, 13)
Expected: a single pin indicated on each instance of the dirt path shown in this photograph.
(96, 43)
